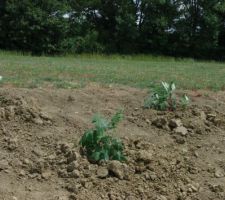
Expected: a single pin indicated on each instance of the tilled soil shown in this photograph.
(170, 155)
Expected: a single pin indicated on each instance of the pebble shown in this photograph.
(72, 166)
(116, 168)
(145, 156)
(38, 121)
(216, 188)
(4, 165)
(179, 140)
(74, 174)
(160, 122)
(219, 173)
(102, 172)
(181, 130)
(174, 123)
(72, 156)
(203, 115)
(46, 175)
(161, 197)
(65, 148)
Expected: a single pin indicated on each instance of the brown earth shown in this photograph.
(171, 155)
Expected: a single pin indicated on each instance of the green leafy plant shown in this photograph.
(184, 101)
(98, 145)
(163, 97)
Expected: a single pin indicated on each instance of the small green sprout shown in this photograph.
(100, 146)
(163, 97)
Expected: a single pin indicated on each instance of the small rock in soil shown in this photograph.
(179, 139)
(216, 188)
(72, 166)
(203, 115)
(62, 198)
(38, 121)
(160, 122)
(45, 116)
(22, 173)
(72, 156)
(4, 165)
(140, 169)
(181, 131)
(161, 197)
(65, 148)
(145, 156)
(211, 117)
(102, 172)
(62, 173)
(46, 175)
(174, 123)
(72, 197)
(219, 173)
(116, 168)
(74, 174)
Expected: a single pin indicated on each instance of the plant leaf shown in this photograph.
(173, 86)
(100, 123)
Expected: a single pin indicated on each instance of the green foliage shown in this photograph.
(179, 28)
(163, 97)
(87, 43)
(184, 101)
(100, 146)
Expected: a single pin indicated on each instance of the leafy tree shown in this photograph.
(193, 28)
(36, 26)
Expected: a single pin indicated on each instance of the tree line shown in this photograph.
(192, 28)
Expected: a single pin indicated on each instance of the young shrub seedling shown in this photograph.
(163, 98)
(98, 145)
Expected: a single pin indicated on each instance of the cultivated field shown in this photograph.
(46, 105)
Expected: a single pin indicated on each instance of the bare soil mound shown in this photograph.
(171, 155)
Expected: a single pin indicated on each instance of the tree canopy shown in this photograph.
(194, 28)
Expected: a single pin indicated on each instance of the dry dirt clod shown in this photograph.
(117, 168)
(179, 139)
(65, 148)
(210, 116)
(37, 121)
(72, 166)
(161, 197)
(74, 174)
(174, 123)
(145, 156)
(72, 156)
(160, 122)
(46, 174)
(102, 172)
(181, 131)
(4, 165)
(219, 173)
(203, 115)
(62, 173)
(216, 188)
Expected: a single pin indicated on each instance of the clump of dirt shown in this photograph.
(14, 107)
(170, 155)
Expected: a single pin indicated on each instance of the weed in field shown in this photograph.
(163, 97)
(184, 101)
(98, 145)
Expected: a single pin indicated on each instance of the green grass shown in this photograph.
(139, 71)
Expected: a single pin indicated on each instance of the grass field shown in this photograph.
(139, 71)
